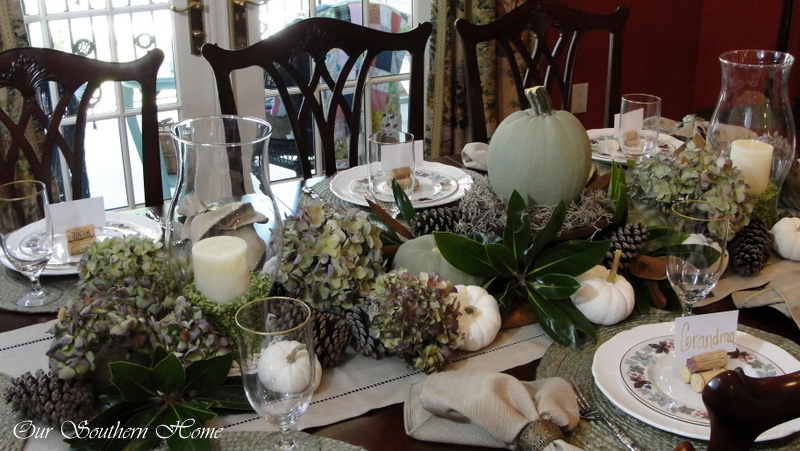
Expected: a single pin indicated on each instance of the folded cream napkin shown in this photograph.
(482, 408)
(476, 156)
(782, 294)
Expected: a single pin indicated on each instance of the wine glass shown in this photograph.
(276, 352)
(639, 119)
(390, 157)
(26, 235)
(696, 256)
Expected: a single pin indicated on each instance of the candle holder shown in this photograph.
(223, 192)
(754, 104)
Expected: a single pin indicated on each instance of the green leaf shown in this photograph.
(673, 301)
(517, 232)
(227, 396)
(506, 298)
(548, 233)
(572, 258)
(183, 419)
(169, 375)
(159, 354)
(578, 318)
(132, 380)
(402, 201)
(556, 324)
(109, 417)
(698, 255)
(145, 421)
(502, 259)
(465, 254)
(555, 286)
(618, 193)
(206, 374)
(641, 294)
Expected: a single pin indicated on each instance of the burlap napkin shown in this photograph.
(476, 156)
(490, 409)
(782, 294)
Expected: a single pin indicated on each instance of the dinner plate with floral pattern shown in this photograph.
(637, 370)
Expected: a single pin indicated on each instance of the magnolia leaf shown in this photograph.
(206, 374)
(548, 233)
(228, 397)
(402, 201)
(146, 421)
(182, 420)
(600, 182)
(572, 258)
(657, 298)
(109, 417)
(578, 318)
(673, 301)
(169, 375)
(641, 294)
(555, 286)
(159, 354)
(132, 380)
(387, 219)
(465, 254)
(517, 232)
(651, 268)
(618, 193)
(502, 259)
(506, 298)
(553, 320)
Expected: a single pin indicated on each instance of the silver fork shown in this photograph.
(588, 412)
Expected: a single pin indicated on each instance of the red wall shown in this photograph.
(671, 49)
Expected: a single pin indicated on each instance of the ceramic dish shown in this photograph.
(439, 184)
(605, 145)
(638, 372)
(117, 224)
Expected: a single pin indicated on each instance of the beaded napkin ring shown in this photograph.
(538, 434)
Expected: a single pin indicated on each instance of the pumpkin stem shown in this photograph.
(470, 309)
(614, 266)
(292, 356)
(540, 101)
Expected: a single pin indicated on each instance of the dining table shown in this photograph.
(382, 429)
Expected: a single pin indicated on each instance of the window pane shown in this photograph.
(104, 163)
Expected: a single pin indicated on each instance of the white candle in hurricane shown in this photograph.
(754, 159)
(221, 272)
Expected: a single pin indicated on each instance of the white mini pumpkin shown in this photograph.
(698, 238)
(480, 317)
(285, 367)
(604, 297)
(786, 236)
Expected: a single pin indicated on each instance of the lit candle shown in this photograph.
(754, 159)
(221, 272)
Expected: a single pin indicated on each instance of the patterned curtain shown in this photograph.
(447, 123)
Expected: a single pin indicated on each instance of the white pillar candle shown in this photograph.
(221, 272)
(754, 159)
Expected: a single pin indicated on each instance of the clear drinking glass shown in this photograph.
(696, 257)
(278, 364)
(390, 156)
(639, 119)
(26, 235)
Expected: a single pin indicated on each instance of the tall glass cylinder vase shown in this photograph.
(753, 125)
(224, 222)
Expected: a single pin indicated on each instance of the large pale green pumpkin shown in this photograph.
(422, 255)
(542, 153)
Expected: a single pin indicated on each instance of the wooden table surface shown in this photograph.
(382, 429)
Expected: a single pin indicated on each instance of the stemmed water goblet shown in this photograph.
(639, 121)
(26, 235)
(696, 256)
(390, 157)
(278, 364)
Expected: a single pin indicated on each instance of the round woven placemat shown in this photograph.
(13, 285)
(576, 365)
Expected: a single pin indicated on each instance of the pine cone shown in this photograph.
(363, 342)
(331, 337)
(288, 316)
(52, 400)
(750, 248)
(629, 239)
(442, 219)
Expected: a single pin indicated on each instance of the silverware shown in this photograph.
(588, 412)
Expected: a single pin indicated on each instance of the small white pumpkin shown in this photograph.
(285, 367)
(604, 297)
(786, 236)
(480, 317)
(699, 238)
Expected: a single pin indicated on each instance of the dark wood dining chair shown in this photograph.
(558, 30)
(36, 132)
(284, 57)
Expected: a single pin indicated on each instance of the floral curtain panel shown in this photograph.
(447, 124)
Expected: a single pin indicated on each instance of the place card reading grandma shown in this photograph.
(698, 334)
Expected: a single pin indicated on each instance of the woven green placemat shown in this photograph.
(250, 441)
(576, 365)
(8, 419)
(13, 285)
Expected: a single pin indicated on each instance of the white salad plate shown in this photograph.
(638, 371)
(117, 225)
(605, 145)
(439, 184)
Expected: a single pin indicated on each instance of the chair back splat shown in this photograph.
(295, 59)
(28, 72)
(549, 62)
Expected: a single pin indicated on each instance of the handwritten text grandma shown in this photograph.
(69, 429)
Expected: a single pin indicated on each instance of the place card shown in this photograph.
(77, 213)
(698, 334)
